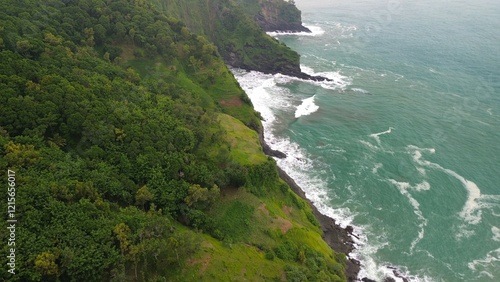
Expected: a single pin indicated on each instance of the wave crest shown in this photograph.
(306, 108)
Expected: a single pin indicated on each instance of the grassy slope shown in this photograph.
(245, 147)
(268, 222)
(258, 225)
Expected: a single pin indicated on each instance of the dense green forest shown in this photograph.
(136, 154)
(239, 39)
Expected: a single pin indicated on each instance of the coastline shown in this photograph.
(339, 239)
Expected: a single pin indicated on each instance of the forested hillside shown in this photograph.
(136, 155)
(238, 37)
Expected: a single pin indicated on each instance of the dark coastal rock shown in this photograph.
(349, 229)
(290, 70)
(279, 26)
(286, 69)
(267, 150)
(398, 275)
(278, 15)
(274, 153)
(311, 77)
(352, 270)
(389, 279)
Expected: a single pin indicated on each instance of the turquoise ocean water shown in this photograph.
(404, 144)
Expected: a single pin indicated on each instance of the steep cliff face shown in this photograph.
(279, 15)
(243, 44)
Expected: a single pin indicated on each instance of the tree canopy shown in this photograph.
(109, 117)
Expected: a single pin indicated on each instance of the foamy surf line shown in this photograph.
(315, 31)
(338, 81)
(360, 90)
(297, 164)
(471, 212)
(403, 188)
(486, 265)
(300, 167)
(376, 136)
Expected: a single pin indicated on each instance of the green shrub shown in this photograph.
(312, 219)
(287, 251)
(237, 175)
(270, 255)
(295, 274)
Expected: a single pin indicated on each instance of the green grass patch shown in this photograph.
(235, 221)
(245, 146)
(217, 261)
(306, 236)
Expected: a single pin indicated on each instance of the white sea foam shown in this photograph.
(496, 233)
(369, 267)
(255, 79)
(341, 30)
(376, 135)
(360, 90)
(422, 171)
(484, 266)
(265, 95)
(423, 186)
(489, 201)
(306, 108)
(376, 167)
(471, 211)
(315, 31)
(345, 27)
(307, 69)
(369, 145)
(379, 271)
(403, 188)
(321, 59)
(338, 81)
(301, 168)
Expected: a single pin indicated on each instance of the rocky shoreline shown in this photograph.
(338, 238)
(289, 70)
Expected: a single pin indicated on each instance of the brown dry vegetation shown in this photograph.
(232, 102)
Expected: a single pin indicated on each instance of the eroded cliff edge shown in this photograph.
(275, 15)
